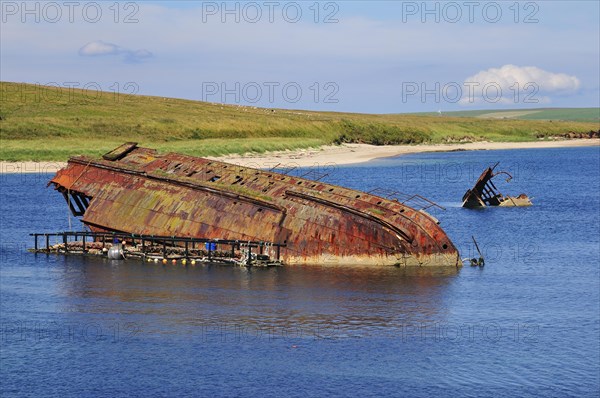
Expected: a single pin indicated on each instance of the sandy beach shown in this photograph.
(339, 154)
(359, 153)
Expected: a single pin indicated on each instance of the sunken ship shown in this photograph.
(140, 191)
(484, 192)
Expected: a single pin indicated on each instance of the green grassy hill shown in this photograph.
(555, 114)
(46, 123)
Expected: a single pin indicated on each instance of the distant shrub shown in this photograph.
(378, 134)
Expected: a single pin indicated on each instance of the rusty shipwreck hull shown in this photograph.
(137, 190)
(484, 192)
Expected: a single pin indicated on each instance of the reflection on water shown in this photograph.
(526, 324)
(179, 299)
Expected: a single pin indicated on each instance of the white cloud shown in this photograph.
(511, 84)
(98, 48)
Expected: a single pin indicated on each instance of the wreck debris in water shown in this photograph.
(118, 246)
(484, 192)
(139, 191)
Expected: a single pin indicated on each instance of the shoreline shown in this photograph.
(346, 154)
(331, 154)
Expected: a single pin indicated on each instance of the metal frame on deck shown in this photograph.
(165, 241)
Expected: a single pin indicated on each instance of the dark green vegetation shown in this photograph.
(47, 123)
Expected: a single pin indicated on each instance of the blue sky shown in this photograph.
(376, 57)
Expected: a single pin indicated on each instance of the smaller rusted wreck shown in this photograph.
(484, 193)
(140, 191)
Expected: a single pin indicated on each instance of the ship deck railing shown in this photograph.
(147, 242)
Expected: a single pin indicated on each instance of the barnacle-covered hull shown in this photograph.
(137, 190)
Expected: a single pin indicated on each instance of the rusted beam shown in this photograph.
(120, 152)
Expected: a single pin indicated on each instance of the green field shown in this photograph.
(554, 114)
(47, 123)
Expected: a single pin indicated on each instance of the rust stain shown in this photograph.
(144, 192)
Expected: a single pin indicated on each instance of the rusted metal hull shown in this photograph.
(484, 193)
(137, 190)
(516, 201)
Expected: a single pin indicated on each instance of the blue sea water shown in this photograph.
(526, 324)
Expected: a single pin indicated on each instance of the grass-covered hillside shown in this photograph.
(47, 123)
(554, 114)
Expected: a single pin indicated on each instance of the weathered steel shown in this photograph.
(154, 248)
(120, 152)
(148, 193)
(484, 193)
